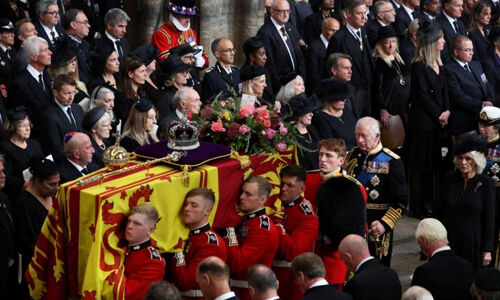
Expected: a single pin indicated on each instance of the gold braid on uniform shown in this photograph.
(392, 216)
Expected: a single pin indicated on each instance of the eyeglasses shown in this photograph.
(282, 11)
(228, 50)
(467, 50)
(53, 13)
(86, 22)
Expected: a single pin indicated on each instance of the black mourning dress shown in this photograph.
(342, 127)
(307, 149)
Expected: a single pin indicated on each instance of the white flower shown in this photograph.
(373, 194)
(375, 180)
(495, 168)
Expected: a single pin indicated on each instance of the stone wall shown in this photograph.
(235, 19)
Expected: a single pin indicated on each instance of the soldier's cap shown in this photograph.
(182, 7)
(489, 115)
(470, 142)
(250, 72)
(6, 25)
(332, 89)
(488, 279)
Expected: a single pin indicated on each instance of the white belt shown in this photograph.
(282, 264)
(238, 283)
(192, 293)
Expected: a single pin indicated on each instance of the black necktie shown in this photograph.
(289, 44)
(466, 67)
(119, 48)
(53, 36)
(8, 51)
(71, 118)
(414, 14)
(85, 171)
(457, 30)
(40, 81)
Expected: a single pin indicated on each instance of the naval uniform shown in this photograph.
(382, 173)
(217, 79)
(143, 266)
(202, 243)
(301, 228)
(492, 170)
(256, 242)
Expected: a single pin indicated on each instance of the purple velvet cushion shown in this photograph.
(204, 153)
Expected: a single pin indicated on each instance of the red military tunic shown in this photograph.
(301, 227)
(202, 243)
(168, 36)
(257, 243)
(143, 266)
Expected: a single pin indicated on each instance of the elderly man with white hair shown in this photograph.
(417, 293)
(382, 173)
(445, 275)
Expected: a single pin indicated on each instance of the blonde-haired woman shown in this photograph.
(253, 81)
(427, 116)
(139, 128)
(392, 80)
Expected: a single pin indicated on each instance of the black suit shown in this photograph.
(468, 91)
(312, 25)
(91, 9)
(449, 34)
(84, 62)
(407, 50)
(403, 19)
(217, 79)
(68, 172)
(492, 70)
(43, 34)
(446, 275)
(325, 292)
(481, 43)
(315, 66)
(278, 60)
(362, 62)
(374, 281)
(56, 124)
(124, 44)
(372, 28)
(26, 90)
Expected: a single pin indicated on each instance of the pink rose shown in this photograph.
(262, 113)
(233, 130)
(222, 103)
(283, 129)
(246, 111)
(217, 127)
(266, 123)
(244, 129)
(281, 146)
(270, 133)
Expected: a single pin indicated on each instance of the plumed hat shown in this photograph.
(429, 31)
(470, 142)
(182, 7)
(332, 89)
(341, 208)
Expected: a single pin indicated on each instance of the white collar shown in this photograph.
(408, 10)
(461, 63)
(382, 24)
(363, 261)
(4, 49)
(111, 37)
(353, 31)
(324, 40)
(229, 71)
(48, 31)
(396, 4)
(178, 24)
(77, 166)
(63, 107)
(320, 282)
(74, 38)
(226, 296)
(429, 15)
(178, 113)
(34, 72)
(440, 250)
(450, 19)
(376, 149)
(278, 26)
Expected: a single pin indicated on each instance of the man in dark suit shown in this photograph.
(445, 275)
(223, 75)
(322, 9)
(283, 52)
(116, 21)
(23, 30)
(213, 277)
(61, 117)
(468, 86)
(405, 14)
(77, 27)
(47, 25)
(310, 273)
(352, 39)
(430, 8)
(371, 280)
(385, 15)
(185, 99)
(262, 283)
(78, 157)
(94, 14)
(450, 23)
(31, 87)
(315, 58)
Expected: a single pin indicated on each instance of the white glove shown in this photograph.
(179, 256)
(200, 62)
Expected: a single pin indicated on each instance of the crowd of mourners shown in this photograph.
(395, 102)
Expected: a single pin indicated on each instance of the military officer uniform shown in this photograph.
(143, 266)
(218, 79)
(255, 241)
(7, 54)
(490, 115)
(300, 230)
(202, 243)
(382, 173)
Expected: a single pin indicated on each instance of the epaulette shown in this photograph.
(212, 238)
(209, 69)
(353, 179)
(264, 222)
(306, 209)
(154, 253)
(391, 154)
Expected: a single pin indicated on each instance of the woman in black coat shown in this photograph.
(467, 203)
(392, 79)
(427, 116)
(479, 29)
(491, 62)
